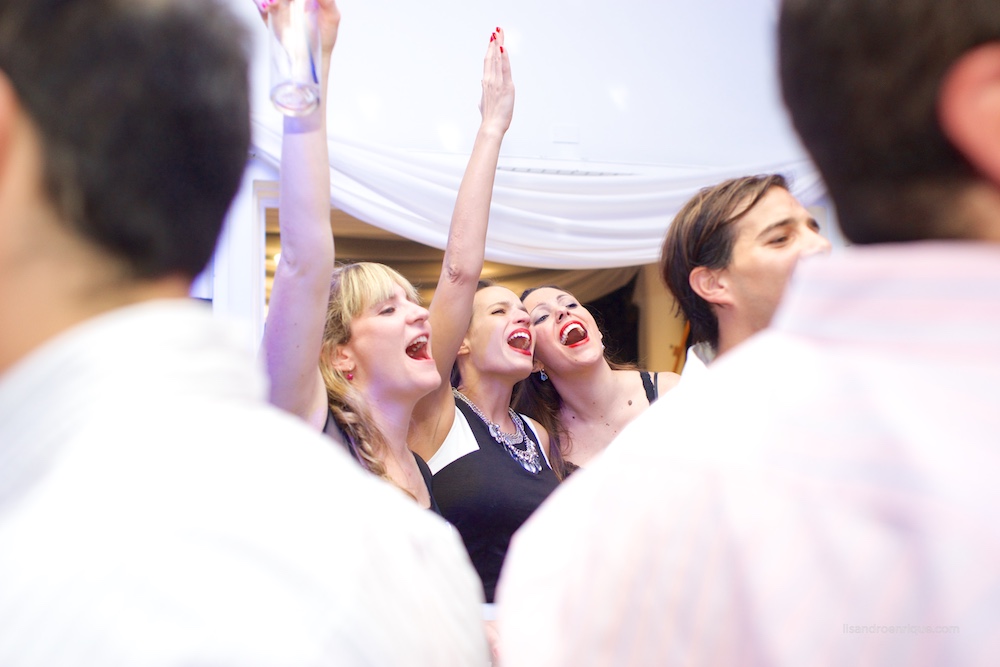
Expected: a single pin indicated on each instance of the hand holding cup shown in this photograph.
(295, 49)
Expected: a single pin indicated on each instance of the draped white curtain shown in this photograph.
(546, 213)
(623, 112)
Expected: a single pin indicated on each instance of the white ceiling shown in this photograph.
(668, 82)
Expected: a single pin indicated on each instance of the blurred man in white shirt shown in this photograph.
(154, 509)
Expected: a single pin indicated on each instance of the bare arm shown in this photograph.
(299, 296)
(451, 307)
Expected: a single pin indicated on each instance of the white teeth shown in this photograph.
(572, 327)
(520, 339)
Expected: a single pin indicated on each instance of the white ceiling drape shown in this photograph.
(623, 112)
(546, 213)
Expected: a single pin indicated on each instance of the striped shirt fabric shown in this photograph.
(827, 495)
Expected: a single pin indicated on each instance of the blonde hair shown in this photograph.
(354, 288)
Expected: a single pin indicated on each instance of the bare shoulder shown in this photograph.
(666, 381)
(431, 421)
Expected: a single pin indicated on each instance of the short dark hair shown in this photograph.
(142, 108)
(703, 234)
(861, 80)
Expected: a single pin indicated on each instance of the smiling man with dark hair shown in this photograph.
(728, 255)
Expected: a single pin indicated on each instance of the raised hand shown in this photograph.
(497, 103)
(297, 311)
(329, 24)
(451, 307)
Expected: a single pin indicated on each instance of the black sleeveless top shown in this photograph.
(649, 384)
(487, 495)
(332, 427)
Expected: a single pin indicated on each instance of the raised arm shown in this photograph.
(297, 311)
(451, 307)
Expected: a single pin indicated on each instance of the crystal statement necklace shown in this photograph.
(520, 448)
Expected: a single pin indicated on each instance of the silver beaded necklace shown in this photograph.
(526, 454)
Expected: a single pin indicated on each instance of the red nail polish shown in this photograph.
(493, 37)
(501, 49)
(498, 28)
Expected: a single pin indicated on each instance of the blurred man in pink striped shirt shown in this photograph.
(827, 495)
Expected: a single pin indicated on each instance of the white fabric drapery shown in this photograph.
(546, 213)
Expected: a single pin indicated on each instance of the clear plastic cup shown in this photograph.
(295, 56)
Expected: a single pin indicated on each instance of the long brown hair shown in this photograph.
(539, 400)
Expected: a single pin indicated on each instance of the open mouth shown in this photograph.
(520, 340)
(418, 349)
(572, 334)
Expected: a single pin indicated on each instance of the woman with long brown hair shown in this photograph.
(581, 397)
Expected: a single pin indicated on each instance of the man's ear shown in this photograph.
(969, 108)
(710, 285)
(9, 110)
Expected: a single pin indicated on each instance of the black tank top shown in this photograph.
(650, 385)
(487, 495)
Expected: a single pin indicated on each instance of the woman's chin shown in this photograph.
(519, 366)
(588, 354)
(430, 382)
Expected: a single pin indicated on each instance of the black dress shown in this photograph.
(487, 495)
